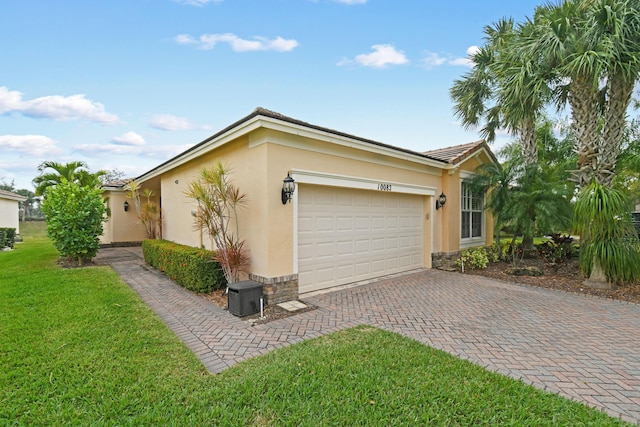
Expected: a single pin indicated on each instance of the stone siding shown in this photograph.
(278, 289)
(445, 260)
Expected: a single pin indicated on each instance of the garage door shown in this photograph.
(347, 235)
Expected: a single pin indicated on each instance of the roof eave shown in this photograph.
(258, 119)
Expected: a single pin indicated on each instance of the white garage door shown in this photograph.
(347, 235)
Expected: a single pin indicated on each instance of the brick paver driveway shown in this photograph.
(585, 348)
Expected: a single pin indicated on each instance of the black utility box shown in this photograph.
(243, 298)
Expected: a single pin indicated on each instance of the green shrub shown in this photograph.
(75, 215)
(493, 253)
(7, 237)
(193, 268)
(473, 258)
(558, 250)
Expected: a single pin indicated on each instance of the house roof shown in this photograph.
(262, 117)
(117, 183)
(11, 196)
(458, 153)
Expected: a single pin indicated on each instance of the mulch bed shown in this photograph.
(566, 277)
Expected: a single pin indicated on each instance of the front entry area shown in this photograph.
(347, 235)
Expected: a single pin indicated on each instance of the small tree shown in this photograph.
(147, 210)
(75, 215)
(218, 203)
(609, 247)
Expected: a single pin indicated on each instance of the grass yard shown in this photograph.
(79, 347)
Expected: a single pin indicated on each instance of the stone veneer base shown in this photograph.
(278, 289)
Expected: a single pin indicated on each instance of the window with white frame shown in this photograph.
(472, 212)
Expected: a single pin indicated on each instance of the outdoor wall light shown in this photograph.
(441, 201)
(126, 206)
(288, 187)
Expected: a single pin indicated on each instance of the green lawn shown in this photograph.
(78, 347)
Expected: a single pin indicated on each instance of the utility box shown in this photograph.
(243, 298)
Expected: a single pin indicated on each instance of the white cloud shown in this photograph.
(55, 107)
(9, 100)
(169, 122)
(197, 2)
(185, 39)
(431, 60)
(128, 138)
(160, 152)
(466, 61)
(209, 41)
(32, 145)
(383, 55)
(89, 149)
(167, 151)
(350, 2)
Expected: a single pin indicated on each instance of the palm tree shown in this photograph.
(610, 249)
(582, 43)
(527, 198)
(504, 90)
(620, 24)
(73, 172)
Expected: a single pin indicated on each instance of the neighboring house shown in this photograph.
(10, 210)
(361, 209)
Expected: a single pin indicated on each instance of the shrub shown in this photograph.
(7, 237)
(473, 258)
(493, 253)
(558, 250)
(75, 215)
(193, 268)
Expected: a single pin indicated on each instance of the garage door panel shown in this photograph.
(344, 223)
(378, 223)
(377, 245)
(347, 235)
(362, 223)
(377, 267)
(345, 248)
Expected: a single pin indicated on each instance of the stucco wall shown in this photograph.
(9, 214)
(121, 227)
(261, 159)
(259, 163)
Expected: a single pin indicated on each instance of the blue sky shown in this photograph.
(128, 84)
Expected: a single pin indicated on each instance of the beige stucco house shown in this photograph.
(361, 209)
(10, 210)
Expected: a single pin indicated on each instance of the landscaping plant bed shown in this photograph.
(566, 277)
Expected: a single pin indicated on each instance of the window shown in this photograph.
(472, 215)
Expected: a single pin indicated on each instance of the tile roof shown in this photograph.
(117, 182)
(13, 196)
(458, 153)
(435, 155)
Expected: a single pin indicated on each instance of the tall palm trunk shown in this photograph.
(619, 91)
(583, 99)
(528, 141)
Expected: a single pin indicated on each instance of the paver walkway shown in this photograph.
(585, 348)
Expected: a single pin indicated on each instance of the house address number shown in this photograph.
(384, 187)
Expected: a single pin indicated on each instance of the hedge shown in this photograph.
(7, 237)
(193, 268)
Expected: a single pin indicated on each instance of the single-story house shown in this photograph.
(360, 209)
(10, 210)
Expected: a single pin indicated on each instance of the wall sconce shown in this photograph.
(441, 201)
(126, 206)
(288, 187)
